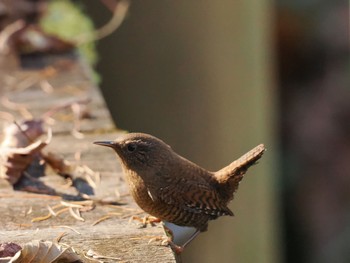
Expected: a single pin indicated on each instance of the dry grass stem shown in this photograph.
(60, 236)
(76, 214)
(69, 227)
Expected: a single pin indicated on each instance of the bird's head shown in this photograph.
(139, 152)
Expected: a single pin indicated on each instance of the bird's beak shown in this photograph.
(106, 143)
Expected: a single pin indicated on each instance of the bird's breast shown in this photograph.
(140, 192)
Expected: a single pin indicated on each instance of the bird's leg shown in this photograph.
(193, 236)
(179, 249)
(146, 220)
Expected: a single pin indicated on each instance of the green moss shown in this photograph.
(67, 20)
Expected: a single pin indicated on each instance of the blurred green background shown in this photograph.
(215, 78)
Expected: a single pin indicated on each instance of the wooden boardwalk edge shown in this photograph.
(34, 92)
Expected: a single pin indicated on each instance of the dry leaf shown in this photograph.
(18, 135)
(58, 163)
(8, 250)
(45, 251)
(14, 161)
(18, 151)
(31, 39)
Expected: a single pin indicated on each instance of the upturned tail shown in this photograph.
(230, 176)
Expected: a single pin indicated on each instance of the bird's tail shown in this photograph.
(230, 176)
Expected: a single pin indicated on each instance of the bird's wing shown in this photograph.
(194, 197)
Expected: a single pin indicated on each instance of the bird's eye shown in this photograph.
(131, 147)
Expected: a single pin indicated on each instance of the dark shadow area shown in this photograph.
(313, 74)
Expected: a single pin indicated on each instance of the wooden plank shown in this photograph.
(67, 80)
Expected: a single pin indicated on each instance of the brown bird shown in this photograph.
(174, 189)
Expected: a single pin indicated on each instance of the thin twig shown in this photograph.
(65, 105)
(69, 227)
(6, 34)
(119, 14)
(7, 116)
(5, 101)
(101, 220)
(60, 236)
(51, 211)
(75, 214)
(41, 218)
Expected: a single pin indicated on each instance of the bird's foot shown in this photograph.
(167, 241)
(146, 220)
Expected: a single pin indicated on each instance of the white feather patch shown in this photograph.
(150, 195)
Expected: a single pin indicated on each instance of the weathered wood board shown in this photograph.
(34, 92)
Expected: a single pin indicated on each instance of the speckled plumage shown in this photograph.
(172, 188)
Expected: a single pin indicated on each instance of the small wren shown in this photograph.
(174, 189)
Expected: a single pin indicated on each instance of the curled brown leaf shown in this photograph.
(14, 161)
(19, 148)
